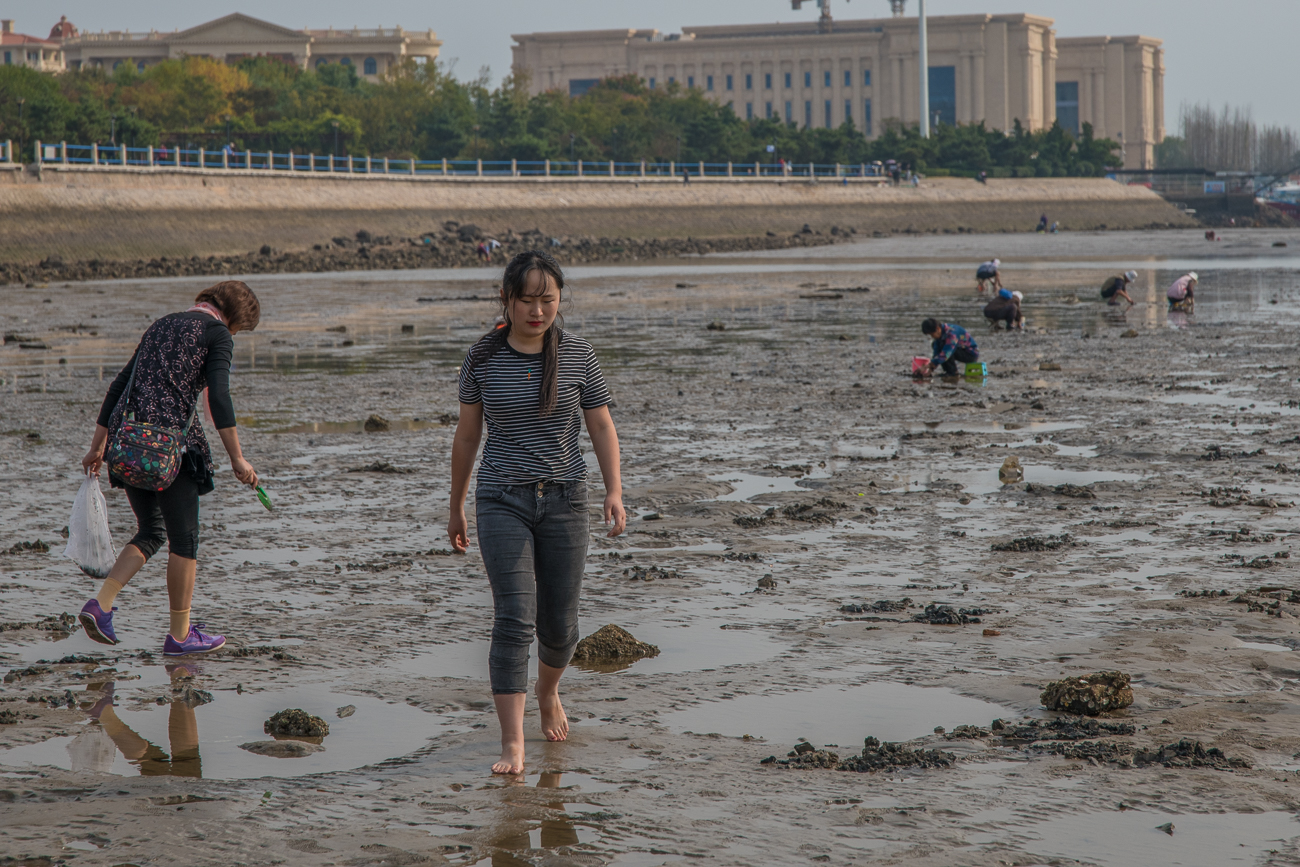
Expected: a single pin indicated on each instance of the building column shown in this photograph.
(1158, 89)
(1049, 87)
(898, 109)
(978, 87)
(1099, 127)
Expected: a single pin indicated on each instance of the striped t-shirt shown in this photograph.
(524, 446)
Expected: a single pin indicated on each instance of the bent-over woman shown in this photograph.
(178, 356)
(534, 384)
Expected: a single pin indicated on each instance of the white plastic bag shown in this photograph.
(89, 543)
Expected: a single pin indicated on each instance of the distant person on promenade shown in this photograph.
(949, 344)
(1116, 288)
(1182, 291)
(1005, 308)
(534, 384)
(492, 246)
(482, 252)
(1042, 224)
(988, 272)
(178, 357)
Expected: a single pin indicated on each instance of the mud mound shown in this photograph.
(1035, 543)
(884, 756)
(804, 756)
(1182, 754)
(35, 547)
(1062, 729)
(296, 723)
(611, 642)
(946, 615)
(878, 607)
(377, 424)
(1090, 695)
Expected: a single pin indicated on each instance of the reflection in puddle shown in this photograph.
(516, 847)
(837, 715)
(204, 741)
(746, 486)
(1121, 839)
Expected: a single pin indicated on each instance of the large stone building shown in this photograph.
(992, 68)
(19, 49)
(371, 52)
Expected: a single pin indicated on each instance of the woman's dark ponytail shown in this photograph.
(513, 283)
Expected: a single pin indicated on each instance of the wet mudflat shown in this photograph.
(784, 476)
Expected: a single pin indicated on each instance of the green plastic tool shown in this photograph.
(261, 495)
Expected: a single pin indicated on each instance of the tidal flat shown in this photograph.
(796, 500)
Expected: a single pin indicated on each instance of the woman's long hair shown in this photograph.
(513, 284)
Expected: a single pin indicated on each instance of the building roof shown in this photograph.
(24, 39)
(64, 29)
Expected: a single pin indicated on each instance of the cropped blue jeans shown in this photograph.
(533, 539)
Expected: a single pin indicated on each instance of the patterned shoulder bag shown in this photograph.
(142, 454)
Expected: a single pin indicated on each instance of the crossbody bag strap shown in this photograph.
(125, 400)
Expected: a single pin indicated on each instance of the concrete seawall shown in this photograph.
(158, 212)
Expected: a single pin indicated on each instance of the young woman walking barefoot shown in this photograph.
(534, 384)
(178, 356)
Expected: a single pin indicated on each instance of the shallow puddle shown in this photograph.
(745, 486)
(138, 738)
(1123, 839)
(838, 715)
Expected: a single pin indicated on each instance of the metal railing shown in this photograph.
(121, 156)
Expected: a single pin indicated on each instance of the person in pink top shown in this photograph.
(1181, 292)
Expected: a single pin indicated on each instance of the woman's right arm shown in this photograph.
(464, 448)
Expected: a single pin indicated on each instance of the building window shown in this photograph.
(866, 116)
(807, 114)
(139, 66)
(788, 76)
(1067, 106)
(866, 78)
(848, 78)
(848, 110)
(579, 86)
(708, 82)
(690, 81)
(729, 86)
(807, 79)
(9, 58)
(828, 114)
(671, 79)
(826, 78)
(768, 113)
(652, 82)
(789, 111)
(767, 81)
(116, 63)
(943, 95)
(320, 61)
(347, 61)
(749, 111)
(371, 66)
(749, 81)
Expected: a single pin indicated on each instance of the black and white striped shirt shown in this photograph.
(524, 446)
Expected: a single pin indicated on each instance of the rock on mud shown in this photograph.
(1034, 543)
(377, 424)
(611, 642)
(1011, 472)
(296, 723)
(282, 749)
(1182, 754)
(1090, 695)
(946, 615)
(882, 756)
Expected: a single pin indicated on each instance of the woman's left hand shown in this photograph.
(93, 460)
(615, 514)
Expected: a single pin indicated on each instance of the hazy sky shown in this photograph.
(1236, 52)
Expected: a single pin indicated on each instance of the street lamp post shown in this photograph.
(21, 137)
(336, 141)
(228, 129)
(476, 129)
(573, 136)
(924, 63)
(112, 129)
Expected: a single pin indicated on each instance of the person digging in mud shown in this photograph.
(533, 383)
(178, 357)
(949, 345)
(1116, 288)
(1182, 291)
(1005, 309)
(989, 272)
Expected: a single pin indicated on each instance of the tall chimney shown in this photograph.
(6, 25)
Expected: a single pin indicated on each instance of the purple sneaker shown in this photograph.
(97, 622)
(195, 642)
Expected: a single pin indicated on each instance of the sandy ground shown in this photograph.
(1186, 436)
(115, 215)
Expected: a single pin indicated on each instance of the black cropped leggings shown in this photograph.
(170, 516)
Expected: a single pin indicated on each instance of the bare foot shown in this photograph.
(512, 760)
(555, 723)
